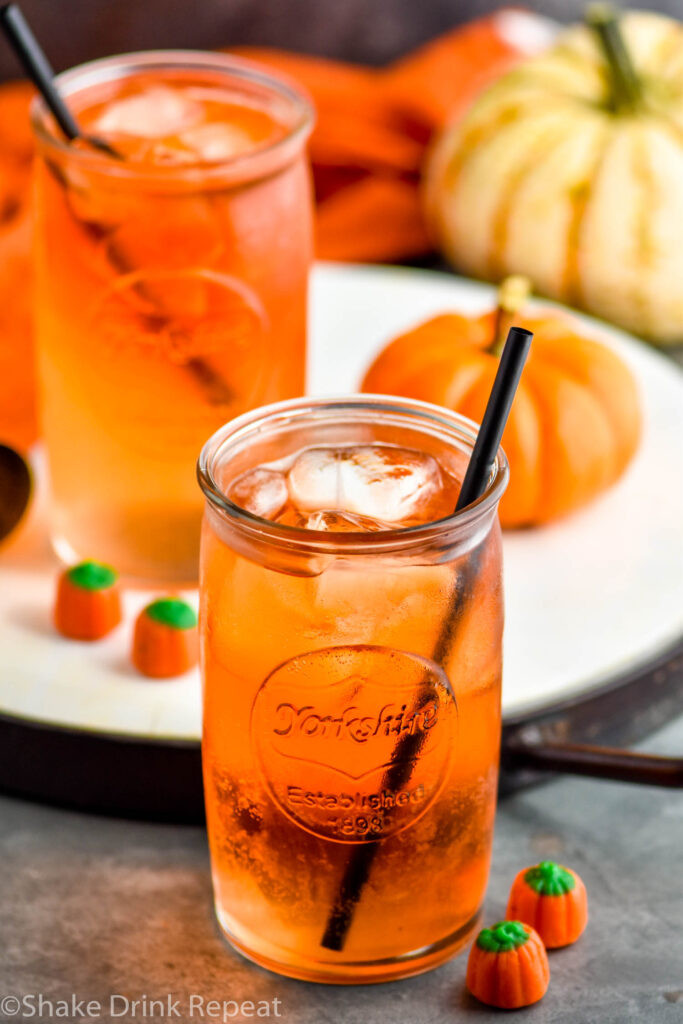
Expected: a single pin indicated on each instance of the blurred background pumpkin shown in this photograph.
(569, 169)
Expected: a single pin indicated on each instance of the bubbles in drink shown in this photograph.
(359, 488)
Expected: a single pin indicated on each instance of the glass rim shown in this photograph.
(120, 66)
(456, 524)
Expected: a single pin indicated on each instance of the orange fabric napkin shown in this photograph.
(18, 425)
(373, 129)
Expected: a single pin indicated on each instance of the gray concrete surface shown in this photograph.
(91, 907)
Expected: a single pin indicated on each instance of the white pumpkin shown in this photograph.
(569, 169)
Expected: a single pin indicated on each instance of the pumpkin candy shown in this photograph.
(551, 899)
(165, 641)
(508, 966)
(569, 169)
(88, 601)
(575, 421)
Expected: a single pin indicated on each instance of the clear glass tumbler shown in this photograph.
(351, 706)
(171, 290)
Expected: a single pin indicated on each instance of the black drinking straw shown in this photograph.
(497, 410)
(408, 746)
(39, 70)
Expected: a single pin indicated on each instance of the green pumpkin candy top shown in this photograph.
(91, 575)
(503, 937)
(549, 879)
(172, 612)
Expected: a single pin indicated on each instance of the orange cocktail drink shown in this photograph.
(170, 293)
(351, 654)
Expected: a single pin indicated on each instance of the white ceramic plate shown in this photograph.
(587, 599)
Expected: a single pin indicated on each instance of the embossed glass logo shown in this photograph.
(355, 741)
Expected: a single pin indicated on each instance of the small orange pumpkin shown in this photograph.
(575, 422)
(165, 641)
(508, 966)
(88, 602)
(552, 899)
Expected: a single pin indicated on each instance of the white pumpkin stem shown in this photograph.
(626, 85)
(513, 293)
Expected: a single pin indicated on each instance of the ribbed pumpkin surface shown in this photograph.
(547, 176)
(575, 421)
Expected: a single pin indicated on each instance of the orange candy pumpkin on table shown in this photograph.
(508, 966)
(551, 899)
(575, 423)
(165, 640)
(88, 601)
(547, 908)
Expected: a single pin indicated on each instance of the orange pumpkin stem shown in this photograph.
(513, 293)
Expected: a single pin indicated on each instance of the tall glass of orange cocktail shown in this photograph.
(170, 292)
(351, 652)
